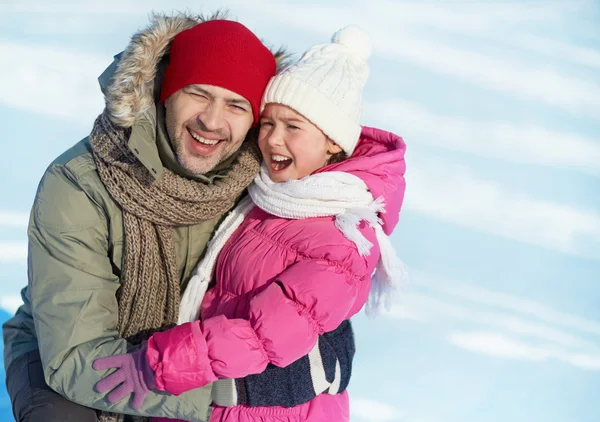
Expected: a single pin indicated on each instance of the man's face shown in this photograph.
(206, 125)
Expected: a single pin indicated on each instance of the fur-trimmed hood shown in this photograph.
(131, 84)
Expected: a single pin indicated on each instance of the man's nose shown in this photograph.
(212, 118)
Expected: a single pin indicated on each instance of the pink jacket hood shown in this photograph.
(379, 161)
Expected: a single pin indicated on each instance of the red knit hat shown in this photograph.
(220, 53)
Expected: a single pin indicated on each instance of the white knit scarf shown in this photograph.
(340, 194)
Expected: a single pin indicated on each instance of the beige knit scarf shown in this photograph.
(150, 287)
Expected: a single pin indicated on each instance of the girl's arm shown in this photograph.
(308, 299)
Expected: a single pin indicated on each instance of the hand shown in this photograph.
(133, 376)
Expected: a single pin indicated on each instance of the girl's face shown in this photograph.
(292, 147)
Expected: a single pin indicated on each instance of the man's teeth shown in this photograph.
(279, 158)
(204, 140)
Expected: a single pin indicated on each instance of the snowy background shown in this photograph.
(499, 103)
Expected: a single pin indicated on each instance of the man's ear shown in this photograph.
(168, 101)
(332, 147)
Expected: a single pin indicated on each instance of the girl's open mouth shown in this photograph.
(280, 162)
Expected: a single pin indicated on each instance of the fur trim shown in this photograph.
(137, 80)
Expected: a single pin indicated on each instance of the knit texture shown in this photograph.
(326, 86)
(317, 373)
(149, 296)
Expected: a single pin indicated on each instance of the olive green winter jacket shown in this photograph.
(75, 235)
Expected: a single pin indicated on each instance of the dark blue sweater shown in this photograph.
(326, 369)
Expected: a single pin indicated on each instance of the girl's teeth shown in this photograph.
(204, 140)
(279, 158)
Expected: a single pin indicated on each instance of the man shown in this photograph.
(121, 219)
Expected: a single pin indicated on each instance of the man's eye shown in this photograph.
(292, 127)
(238, 108)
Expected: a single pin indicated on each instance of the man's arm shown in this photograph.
(73, 296)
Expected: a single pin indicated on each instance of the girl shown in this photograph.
(295, 258)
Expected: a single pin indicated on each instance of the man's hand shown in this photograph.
(133, 376)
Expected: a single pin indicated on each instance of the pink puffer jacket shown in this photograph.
(279, 284)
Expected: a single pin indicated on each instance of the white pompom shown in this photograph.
(355, 39)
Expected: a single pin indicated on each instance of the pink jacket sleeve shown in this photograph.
(308, 299)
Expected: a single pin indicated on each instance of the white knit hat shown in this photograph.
(326, 85)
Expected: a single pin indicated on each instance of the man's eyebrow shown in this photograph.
(210, 95)
(241, 101)
(202, 91)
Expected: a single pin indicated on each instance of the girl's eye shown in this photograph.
(265, 124)
(292, 127)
